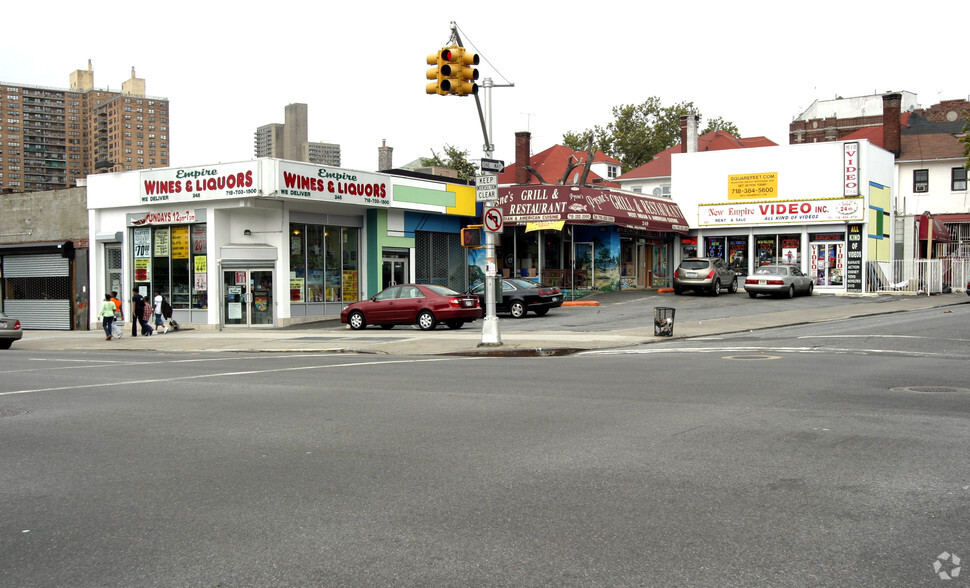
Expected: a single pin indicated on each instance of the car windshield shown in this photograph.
(694, 264)
(776, 270)
(442, 290)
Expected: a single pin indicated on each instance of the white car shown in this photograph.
(10, 331)
(779, 280)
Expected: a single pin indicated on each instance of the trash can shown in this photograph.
(663, 321)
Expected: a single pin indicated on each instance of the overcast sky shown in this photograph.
(228, 68)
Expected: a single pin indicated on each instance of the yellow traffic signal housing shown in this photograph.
(471, 236)
(465, 83)
(452, 73)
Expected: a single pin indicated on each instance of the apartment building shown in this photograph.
(51, 137)
(289, 140)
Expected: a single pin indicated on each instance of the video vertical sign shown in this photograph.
(850, 169)
(853, 263)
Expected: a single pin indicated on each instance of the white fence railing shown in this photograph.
(919, 276)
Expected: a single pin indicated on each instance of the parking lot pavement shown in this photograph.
(621, 319)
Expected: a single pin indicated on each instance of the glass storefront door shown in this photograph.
(394, 271)
(828, 264)
(247, 297)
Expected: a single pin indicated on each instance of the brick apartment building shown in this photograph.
(51, 137)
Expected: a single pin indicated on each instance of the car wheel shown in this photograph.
(387, 327)
(5, 343)
(454, 324)
(716, 288)
(811, 288)
(426, 320)
(752, 294)
(734, 285)
(541, 311)
(517, 309)
(356, 320)
(678, 291)
(791, 291)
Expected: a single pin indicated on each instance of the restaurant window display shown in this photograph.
(324, 265)
(171, 260)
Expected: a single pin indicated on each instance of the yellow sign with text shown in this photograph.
(753, 186)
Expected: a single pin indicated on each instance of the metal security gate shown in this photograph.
(37, 290)
(439, 259)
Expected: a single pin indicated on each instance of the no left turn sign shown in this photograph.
(492, 220)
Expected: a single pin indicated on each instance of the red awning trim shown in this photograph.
(589, 206)
(940, 234)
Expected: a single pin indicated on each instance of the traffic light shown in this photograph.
(466, 75)
(452, 73)
(471, 236)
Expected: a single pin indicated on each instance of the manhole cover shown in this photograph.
(931, 390)
(10, 412)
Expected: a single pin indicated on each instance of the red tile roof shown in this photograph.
(552, 163)
(659, 166)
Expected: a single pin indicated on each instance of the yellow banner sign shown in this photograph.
(544, 225)
(753, 186)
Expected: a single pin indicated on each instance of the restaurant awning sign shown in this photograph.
(582, 205)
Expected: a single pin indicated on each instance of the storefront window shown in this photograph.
(171, 261)
(688, 247)
(199, 268)
(715, 247)
(766, 249)
(738, 254)
(790, 252)
(324, 264)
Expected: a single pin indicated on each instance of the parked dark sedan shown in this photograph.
(10, 331)
(520, 296)
(408, 304)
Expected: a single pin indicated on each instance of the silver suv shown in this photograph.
(704, 273)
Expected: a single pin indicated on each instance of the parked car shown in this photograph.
(425, 305)
(704, 273)
(779, 280)
(10, 331)
(520, 296)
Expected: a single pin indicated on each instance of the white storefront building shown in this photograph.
(270, 242)
(825, 207)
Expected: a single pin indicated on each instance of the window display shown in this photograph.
(323, 263)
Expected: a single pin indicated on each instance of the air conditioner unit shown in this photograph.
(922, 188)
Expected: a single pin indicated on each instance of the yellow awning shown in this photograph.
(545, 226)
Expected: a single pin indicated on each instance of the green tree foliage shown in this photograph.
(455, 159)
(640, 131)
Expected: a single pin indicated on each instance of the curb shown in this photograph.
(580, 303)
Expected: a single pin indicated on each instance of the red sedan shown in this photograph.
(407, 304)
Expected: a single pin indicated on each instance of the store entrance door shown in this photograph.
(584, 254)
(247, 297)
(828, 264)
(394, 271)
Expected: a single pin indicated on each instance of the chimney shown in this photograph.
(688, 133)
(523, 147)
(384, 154)
(891, 111)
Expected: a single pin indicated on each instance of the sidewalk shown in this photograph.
(405, 340)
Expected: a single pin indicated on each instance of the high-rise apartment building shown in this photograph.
(289, 140)
(50, 137)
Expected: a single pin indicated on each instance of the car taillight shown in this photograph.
(456, 302)
(16, 325)
(710, 275)
(675, 272)
(548, 291)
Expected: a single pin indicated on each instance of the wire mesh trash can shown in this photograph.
(663, 321)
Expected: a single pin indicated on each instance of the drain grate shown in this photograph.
(931, 390)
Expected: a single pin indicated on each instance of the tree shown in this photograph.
(456, 160)
(640, 131)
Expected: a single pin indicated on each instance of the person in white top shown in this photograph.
(159, 319)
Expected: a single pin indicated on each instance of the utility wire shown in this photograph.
(480, 54)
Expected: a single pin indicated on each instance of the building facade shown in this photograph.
(271, 242)
(824, 207)
(52, 137)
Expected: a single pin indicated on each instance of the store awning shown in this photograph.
(939, 234)
(581, 205)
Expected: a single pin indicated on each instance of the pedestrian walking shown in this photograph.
(146, 317)
(160, 312)
(107, 316)
(117, 331)
(138, 307)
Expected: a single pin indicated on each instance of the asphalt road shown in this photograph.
(826, 455)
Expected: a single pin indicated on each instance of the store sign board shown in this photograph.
(850, 168)
(780, 212)
(753, 186)
(231, 180)
(314, 182)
